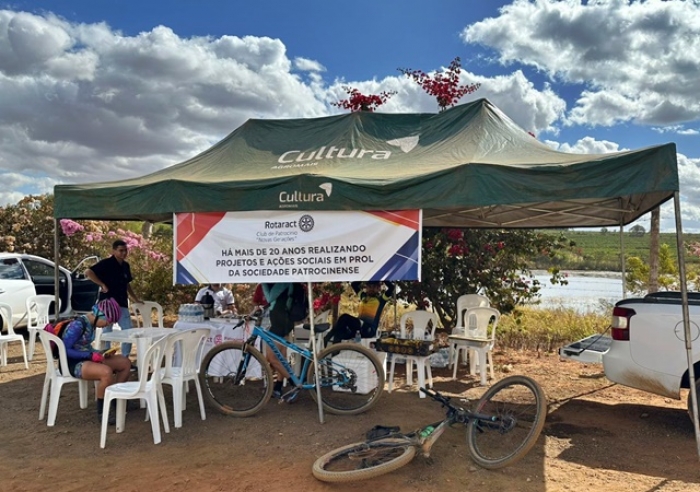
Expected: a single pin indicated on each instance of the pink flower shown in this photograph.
(70, 227)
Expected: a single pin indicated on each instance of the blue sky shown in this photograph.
(100, 90)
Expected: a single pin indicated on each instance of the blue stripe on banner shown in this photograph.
(403, 265)
(184, 276)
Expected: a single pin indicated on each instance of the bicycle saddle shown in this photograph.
(318, 327)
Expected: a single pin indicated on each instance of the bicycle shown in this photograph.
(238, 379)
(503, 427)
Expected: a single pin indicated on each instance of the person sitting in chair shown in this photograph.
(372, 302)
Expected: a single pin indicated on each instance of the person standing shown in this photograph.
(113, 275)
(276, 296)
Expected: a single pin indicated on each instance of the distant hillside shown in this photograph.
(599, 250)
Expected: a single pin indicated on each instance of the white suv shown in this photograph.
(24, 275)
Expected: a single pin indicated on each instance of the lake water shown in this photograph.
(585, 292)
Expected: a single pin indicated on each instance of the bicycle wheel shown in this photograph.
(519, 407)
(363, 460)
(351, 376)
(234, 382)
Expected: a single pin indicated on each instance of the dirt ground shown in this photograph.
(598, 436)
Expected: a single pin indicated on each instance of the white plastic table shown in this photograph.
(142, 337)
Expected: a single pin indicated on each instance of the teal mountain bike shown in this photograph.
(237, 379)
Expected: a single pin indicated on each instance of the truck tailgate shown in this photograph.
(589, 349)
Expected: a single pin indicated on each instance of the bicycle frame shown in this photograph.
(271, 340)
(454, 415)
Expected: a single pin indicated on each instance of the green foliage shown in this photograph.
(547, 329)
(596, 250)
(466, 261)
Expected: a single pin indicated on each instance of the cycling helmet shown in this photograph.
(108, 309)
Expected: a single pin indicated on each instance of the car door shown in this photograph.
(15, 287)
(85, 291)
(42, 273)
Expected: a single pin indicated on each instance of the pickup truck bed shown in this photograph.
(646, 347)
(589, 349)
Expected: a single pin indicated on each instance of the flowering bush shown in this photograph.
(27, 227)
(444, 86)
(360, 102)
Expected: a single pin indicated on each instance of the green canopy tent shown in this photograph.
(469, 166)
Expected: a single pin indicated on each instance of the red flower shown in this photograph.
(443, 86)
(360, 102)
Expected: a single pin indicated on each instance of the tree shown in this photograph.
(467, 261)
(637, 230)
(443, 86)
(654, 250)
(637, 273)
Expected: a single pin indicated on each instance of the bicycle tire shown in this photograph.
(352, 378)
(390, 454)
(218, 375)
(520, 405)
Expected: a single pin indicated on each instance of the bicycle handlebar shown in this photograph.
(435, 395)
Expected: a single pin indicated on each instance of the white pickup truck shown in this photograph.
(646, 347)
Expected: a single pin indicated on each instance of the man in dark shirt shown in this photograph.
(113, 275)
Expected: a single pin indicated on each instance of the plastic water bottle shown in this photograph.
(427, 431)
(358, 337)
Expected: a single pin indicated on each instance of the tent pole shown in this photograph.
(57, 285)
(686, 318)
(312, 334)
(622, 260)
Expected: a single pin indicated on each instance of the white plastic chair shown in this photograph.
(480, 337)
(191, 344)
(11, 336)
(302, 337)
(57, 375)
(464, 303)
(143, 312)
(148, 389)
(422, 330)
(38, 317)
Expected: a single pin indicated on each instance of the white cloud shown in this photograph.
(307, 65)
(84, 103)
(638, 59)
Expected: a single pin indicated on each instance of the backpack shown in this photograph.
(57, 328)
(297, 302)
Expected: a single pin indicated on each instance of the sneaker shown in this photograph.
(134, 368)
(276, 394)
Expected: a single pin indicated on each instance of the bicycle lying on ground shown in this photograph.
(237, 379)
(502, 428)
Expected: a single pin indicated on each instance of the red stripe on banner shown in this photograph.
(408, 218)
(191, 229)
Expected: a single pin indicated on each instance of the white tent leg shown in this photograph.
(686, 318)
(312, 335)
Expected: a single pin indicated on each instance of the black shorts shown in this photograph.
(280, 324)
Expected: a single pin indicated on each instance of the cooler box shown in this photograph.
(366, 375)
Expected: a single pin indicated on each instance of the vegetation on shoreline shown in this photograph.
(600, 250)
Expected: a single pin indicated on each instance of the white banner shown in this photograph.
(297, 246)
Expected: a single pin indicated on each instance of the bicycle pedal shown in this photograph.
(290, 396)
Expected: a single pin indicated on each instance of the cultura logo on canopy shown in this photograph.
(302, 158)
(293, 198)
